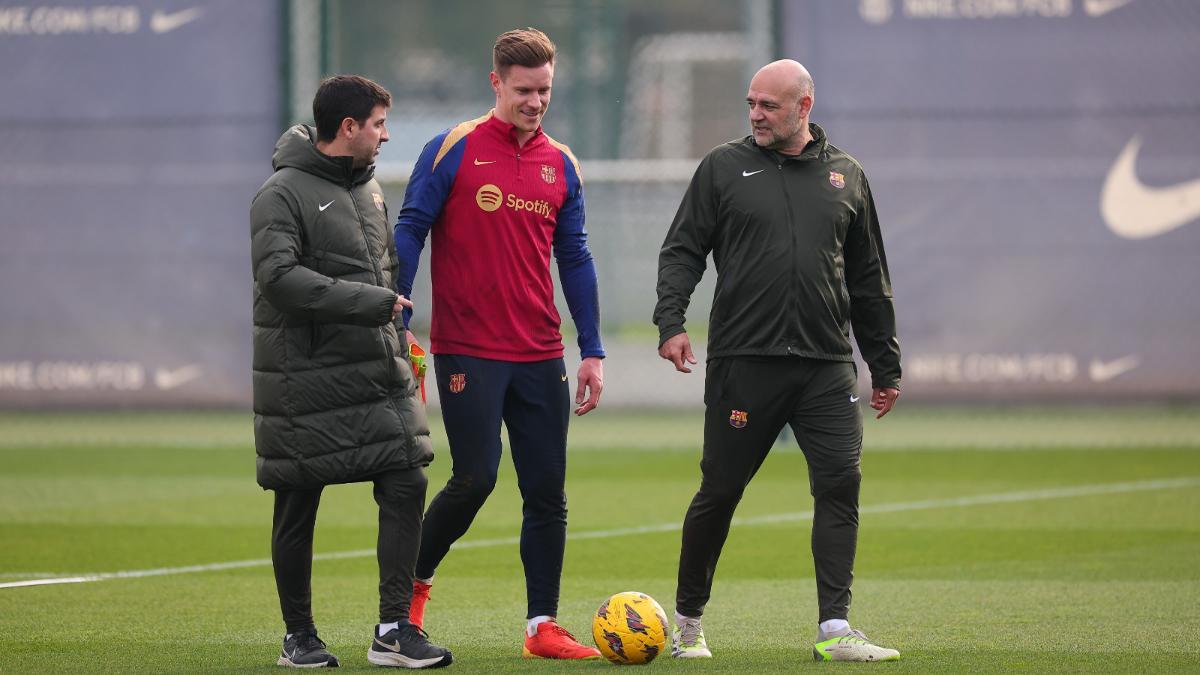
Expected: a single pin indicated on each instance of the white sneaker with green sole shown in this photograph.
(850, 645)
(688, 640)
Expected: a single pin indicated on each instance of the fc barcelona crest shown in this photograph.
(378, 200)
(738, 418)
(837, 180)
(548, 173)
(458, 382)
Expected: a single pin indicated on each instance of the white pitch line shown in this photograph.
(895, 507)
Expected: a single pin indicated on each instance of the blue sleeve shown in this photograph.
(428, 188)
(576, 270)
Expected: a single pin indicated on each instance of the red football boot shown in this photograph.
(552, 641)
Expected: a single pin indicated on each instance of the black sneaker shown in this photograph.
(407, 647)
(306, 650)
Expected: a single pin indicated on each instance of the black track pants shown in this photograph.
(747, 402)
(401, 499)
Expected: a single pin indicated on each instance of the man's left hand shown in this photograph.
(591, 381)
(882, 399)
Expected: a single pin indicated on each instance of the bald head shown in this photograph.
(784, 77)
(780, 98)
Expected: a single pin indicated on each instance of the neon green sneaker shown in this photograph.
(851, 645)
(688, 640)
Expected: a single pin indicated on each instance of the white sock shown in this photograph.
(834, 626)
(531, 627)
(679, 618)
(385, 627)
(427, 582)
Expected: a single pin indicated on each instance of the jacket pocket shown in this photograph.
(397, 356)
(416, 429)
(300, 340)
(314, 338)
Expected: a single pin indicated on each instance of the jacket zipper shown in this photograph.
(362, 228)
(387, 348)
(793, 237)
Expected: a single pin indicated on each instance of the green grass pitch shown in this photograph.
(1047, 541)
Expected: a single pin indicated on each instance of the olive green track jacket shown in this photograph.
(798, 253)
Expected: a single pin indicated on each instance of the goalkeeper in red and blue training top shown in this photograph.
(499, 196)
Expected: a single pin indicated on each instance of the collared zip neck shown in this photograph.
(816, 149)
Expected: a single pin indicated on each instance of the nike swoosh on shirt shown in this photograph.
(162, 22)
(1102, 7)
(479, 163)
(751, 173)
(854, 399)
(322, 207)
(1134, 210)
(1102, 371)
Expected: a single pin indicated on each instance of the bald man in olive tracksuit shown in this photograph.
(791, 225)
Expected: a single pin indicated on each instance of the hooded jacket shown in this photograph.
(798, 252)
(334, 398)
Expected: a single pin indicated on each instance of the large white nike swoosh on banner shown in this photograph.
(1102, 7)
(1135, 211)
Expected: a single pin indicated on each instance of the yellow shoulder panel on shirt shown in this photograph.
(456, 135)
(570, 155)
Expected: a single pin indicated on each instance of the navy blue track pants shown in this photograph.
(533, 401)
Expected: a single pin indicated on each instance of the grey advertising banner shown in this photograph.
(134, 136)
(1036, 165)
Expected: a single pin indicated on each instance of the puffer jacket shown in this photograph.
(334, 398)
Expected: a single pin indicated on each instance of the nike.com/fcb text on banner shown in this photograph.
(135, 136)
(1036, 165)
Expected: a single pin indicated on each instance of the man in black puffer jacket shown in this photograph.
(334, 398)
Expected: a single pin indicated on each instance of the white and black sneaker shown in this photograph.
(407, 647)
(305, 650)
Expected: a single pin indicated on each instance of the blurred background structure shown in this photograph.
(1035, 163)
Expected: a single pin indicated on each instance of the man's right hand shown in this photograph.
(402, 303)
(678, 350)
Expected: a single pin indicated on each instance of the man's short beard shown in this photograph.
(778, 142)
